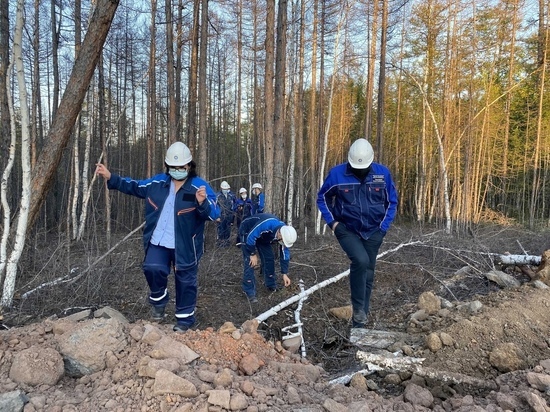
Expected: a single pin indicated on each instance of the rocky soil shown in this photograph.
(459, 337)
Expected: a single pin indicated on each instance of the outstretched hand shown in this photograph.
(102, 171)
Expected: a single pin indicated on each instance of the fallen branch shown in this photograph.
(504, 259)
(375, 363)
(69, 279)
(413, 365)
(275, 309)
(516, 259)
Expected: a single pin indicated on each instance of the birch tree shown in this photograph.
(22, 219)
(4, 63)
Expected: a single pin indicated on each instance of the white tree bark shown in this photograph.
(76, 181)
(4, 183)
(20, 235)
(87, 188)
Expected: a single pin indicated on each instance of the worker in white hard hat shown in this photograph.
(243, 206)
(358, 201)
(258, 199)
(256, 235)
(178, 203)
(226, 201)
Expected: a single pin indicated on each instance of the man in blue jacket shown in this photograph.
(358, 201)
(256, 234)
(258, 199)
(226, 202)
(177, 205)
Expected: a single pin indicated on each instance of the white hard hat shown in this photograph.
(360, 154)
(225, 185)
(289, 235)
(242, 190)
(256, 186)
(178, 154)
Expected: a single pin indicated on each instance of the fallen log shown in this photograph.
(516, 259)
(380, 339)
(407, 364)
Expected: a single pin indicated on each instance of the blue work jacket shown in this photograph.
(362, 206)
(189, 216)
(226, 204)
(243, 208)
(263, 227)
(258, 203)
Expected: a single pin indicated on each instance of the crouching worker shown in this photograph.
(178, 203)
(256, 234)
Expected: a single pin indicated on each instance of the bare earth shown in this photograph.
(487, 357)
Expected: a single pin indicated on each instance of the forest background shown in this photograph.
(453, 95)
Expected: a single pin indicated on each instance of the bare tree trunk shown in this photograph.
(300, 194)
(279, 155)
(313, 137)
(203, 95)
(76, 139)
(536, 184)
(86, 188)
(269, 105)
(193, 79)
(152, 91)
(35, 91)
(22, 220)
(239, 96)
(258, 144)
(70, 105)
(179, 69)
(170, 88)
(292, 109)
(4, 76)
(6, 221)
(104, 142)
(373, 35)
(335, 65)
(382, 83)
(55, 58)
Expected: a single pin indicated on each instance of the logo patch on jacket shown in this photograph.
(378, 179)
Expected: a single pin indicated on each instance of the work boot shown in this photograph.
(157, 312)
(252, 299)
(181, 327)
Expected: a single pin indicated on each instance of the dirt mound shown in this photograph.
(484, 346)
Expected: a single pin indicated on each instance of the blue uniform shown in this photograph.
(364, 210)
(257, 233)
(189, 220)
(258, 203)
(243, 209)
(226, 204)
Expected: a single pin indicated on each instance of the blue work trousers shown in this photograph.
(157, 266)
(224, 228)
(362, 254)
(267, 258)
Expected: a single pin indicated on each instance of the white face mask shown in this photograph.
(177, 174)
(243, 196)
(225, 191)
